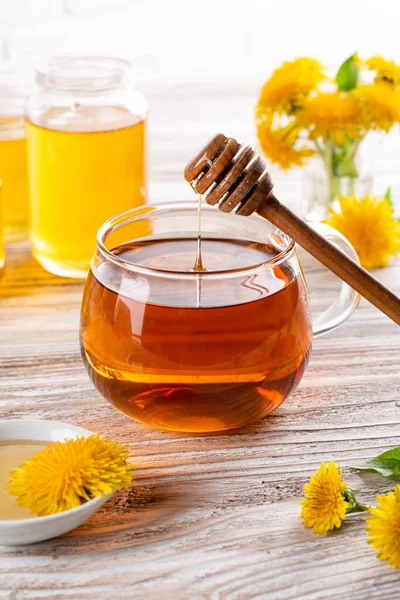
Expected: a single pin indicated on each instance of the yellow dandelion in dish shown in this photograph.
(380, 105)
(289, 84)
(370, 226)
(331, 115)
(386, 70)
(383, 527)
(65, 474)
(324, 506)
(281, 146)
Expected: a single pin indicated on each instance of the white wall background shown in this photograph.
(187, 37)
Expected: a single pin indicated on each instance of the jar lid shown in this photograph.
(84, 74)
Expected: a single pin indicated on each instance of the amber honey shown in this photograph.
(195, 354)
(2, 248)
(86, 164)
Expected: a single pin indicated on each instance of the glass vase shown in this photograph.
(322, 191)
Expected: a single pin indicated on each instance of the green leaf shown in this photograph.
(347, 75)
(387, 463)
(388, 196)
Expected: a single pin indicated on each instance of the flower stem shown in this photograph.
(354, 505)
(330, 172)
(359, 507)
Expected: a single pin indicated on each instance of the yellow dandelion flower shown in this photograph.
(324, 506)
(289, 84)
(65, 474)
(370, 226)
(383, 527)
(333, 115)
(380, 105)
(281, 146)
(386, 70)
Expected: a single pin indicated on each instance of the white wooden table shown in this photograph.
(212, 516)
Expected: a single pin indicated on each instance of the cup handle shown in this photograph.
(348, 299)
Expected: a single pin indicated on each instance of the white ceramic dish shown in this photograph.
(37, 529)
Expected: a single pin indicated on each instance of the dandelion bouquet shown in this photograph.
(303, 112)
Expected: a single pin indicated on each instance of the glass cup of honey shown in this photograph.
(87, 156)
(199, 350)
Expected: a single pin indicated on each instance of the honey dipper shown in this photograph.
(231, 175)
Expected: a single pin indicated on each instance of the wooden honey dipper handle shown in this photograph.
(235, 179)
(332, 257)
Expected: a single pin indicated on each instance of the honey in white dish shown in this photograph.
(14, 453)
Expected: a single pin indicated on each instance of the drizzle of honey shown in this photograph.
(198, 265)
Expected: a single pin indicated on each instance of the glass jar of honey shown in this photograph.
(87, 156)
(15, 87)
